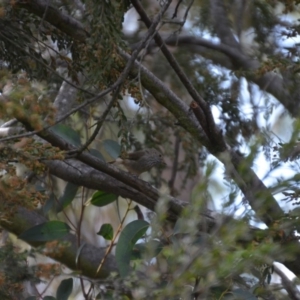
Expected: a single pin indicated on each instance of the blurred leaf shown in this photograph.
(97, 154)
(106, 231)
(109, 295)
(65, 289)
(101, 198)
(153, 247)
(295, 212)
(49, 203)
(201, 240)
(242, 294)
(47, 231)
(217, 291)
(31, 298)
(67, 133)
(112, 148)
(49, 298)
(67, 197)
(128, 238)
(181, 226)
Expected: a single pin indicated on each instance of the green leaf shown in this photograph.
(49, 298)
(177, 226)
(106, 231)
(65, 289)
(31, 298)
(67, 133)
(101, 198)
(112, 148)
(181, 226)
(67, 197)
(47, 231)
(128, 238)
(97, 154)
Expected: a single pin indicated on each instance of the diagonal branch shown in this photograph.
(233, 164)
(258, 195)
(128, 185)
(289, 286)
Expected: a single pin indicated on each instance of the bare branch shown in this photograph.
(289, 286)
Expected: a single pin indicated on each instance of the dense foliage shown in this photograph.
(213, 85)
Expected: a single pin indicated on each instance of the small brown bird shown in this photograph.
(140, 161)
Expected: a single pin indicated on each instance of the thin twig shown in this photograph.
(175, 165)
(87, 102)
(215, 134)
(176, 9)
(187, 11)
(98, 127)
(47, 67)
(79, 241)
(112, 243)
(123, 76)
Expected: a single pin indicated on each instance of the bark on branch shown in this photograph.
(90, 256)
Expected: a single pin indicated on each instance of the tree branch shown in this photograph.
(90, 256)
(260, 198)
(291, 288)
(54, 16)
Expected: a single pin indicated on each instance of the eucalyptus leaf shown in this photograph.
(101, 198)
(65, 289)
(47, 231)
(67, 197)
(67, 133)
(106, 231)
(128, 238)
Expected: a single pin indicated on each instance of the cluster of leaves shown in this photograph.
(14, 271)
(19, 49)
(14, 186)
(21, 162)
(16, 192)
(15, 45)
(99, 54)
(263, 21)
(24, 101)
(177, 263)
(181, 263)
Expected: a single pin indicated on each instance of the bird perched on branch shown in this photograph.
(140, 161)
